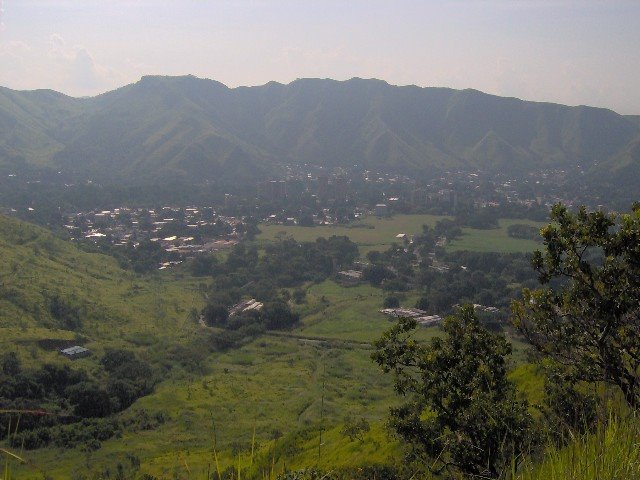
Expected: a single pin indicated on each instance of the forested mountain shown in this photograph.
(168, 127)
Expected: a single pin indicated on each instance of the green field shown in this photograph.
(349, 313)
(495, 240)
(371, 233)
(374, 233)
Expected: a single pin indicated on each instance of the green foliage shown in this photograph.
(355, 429)
(375, 274)
(569, 407)
(299, 295)
(423, 303)
(585, 316)
(278, 316)
(67, 314)
(215, 314)
(391, 302)
(524, 231)
(61, 401)
(461, 409)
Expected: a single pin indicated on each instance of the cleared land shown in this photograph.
(374, 233)
(370, 233)
(496, 239)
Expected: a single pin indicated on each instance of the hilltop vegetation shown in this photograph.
(195, 129)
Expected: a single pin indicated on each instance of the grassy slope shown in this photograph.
(612, 452)
(273, 384)
(117, 306)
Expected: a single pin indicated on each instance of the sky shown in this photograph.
(570, 52)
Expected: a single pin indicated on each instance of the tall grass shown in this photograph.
(612, 452)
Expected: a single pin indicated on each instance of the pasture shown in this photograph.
(374, 233)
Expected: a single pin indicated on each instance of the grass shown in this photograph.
(336, 312)
(612, 452)
(273, 385)
(495, 240)
(374, 233)
(370, 233)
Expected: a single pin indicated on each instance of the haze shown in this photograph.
(566, 52)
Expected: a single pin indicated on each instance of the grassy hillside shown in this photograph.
(35, 267)
(612, 452)
(279, 392)
(273, 385)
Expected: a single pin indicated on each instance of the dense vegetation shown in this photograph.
(69, 407)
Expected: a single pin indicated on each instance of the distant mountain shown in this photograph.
(196, 129)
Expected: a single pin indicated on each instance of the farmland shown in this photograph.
(374, 233)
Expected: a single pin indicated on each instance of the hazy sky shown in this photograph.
(582, 52)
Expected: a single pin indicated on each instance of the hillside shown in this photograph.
(233, 392)
(196, 129)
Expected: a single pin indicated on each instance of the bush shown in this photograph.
(391, 302)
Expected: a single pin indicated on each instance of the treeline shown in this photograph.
(66, 407)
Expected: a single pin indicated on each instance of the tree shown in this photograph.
(278, 316)
(215, 315)
(461, 408)
(89, 400)
(423, 303)
(391, 302)
(11, 365)
(355, 429)
(586, 315)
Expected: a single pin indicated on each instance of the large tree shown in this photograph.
(461, 410)
(586, 314)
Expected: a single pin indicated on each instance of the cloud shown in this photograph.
(80, 72)
(1, 16)
(85, 73)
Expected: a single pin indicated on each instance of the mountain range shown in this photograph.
(197, 129)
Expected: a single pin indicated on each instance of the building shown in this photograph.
(418, 315)
(350, 277)
(246, 306)
(381, 210)
(75, 352)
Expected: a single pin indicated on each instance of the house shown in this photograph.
(350, 277)
(418, 315)
(246, 306)
(75, 352)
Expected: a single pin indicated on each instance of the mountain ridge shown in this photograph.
(195, 129)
